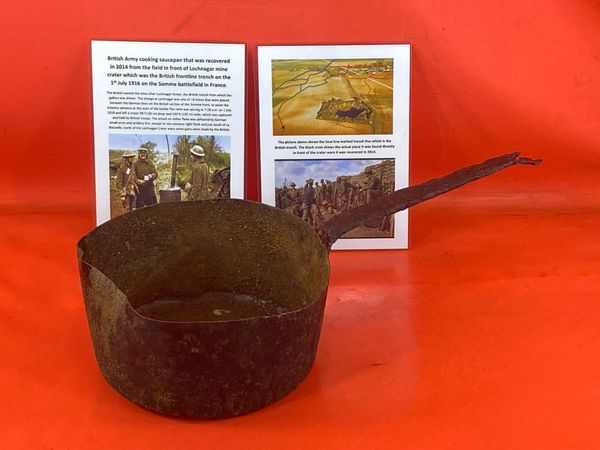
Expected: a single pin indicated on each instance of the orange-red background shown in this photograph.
(483, 335)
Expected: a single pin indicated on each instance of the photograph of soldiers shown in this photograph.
(356, 182)
(308, 201)
(143, 166)
(142, 178)
(125, 188)
(197, 186)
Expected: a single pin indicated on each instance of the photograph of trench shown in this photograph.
(316, 190)
(332, 97)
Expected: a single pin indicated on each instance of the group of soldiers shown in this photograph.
(317, 202)
(135, 180)
(136, 177)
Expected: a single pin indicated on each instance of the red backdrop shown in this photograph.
(487, 77)
(483, 335)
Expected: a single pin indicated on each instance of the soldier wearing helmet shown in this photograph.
(142, 177)
(343, 193)
(322, 193)
(197, 187)
(328, 211)
(373, 185)
(293, 196)
(308, 200)
(126, 189)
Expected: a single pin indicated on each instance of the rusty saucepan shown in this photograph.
(213, 309)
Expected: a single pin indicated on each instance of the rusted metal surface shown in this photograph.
(216, 366)
(212, 309)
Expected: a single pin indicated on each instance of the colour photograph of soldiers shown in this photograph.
(317, 190)
(146, 169)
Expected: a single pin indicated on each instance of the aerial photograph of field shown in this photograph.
(332, 96)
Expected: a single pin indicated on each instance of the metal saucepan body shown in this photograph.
(208, 367)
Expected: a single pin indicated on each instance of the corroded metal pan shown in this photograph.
(213, 309)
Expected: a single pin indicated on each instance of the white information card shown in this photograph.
(168, 123)
(334, 124)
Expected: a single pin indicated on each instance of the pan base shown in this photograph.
(210, 306)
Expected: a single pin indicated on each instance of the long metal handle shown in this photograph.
(402, 199)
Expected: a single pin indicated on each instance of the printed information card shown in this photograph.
(168, 123)
(334, 124)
